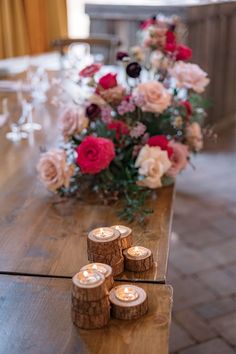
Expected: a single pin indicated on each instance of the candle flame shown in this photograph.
(85, 273)
(126, 290)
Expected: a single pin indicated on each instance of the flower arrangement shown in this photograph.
(132, 135)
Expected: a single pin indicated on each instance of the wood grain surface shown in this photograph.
(35, 318)
(42, 234)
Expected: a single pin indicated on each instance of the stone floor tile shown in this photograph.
(194, 325)
(223, 253)
(214, 346)
(226, 327)
(231, 270)
(172, 273)
(189, 292)
(179, 338)
(201, 238)
(219, 307)
(219, 281)
(226, 225)
(189, 261)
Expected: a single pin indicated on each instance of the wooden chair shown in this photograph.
(107, 45)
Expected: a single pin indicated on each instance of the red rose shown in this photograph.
(170, 37)
(170, 47)
(183, 52)
(188, 107)
(95, 154)
(90, 70)
(108, 81)
(120, 128)
(162, 142)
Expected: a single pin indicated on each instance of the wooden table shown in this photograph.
(35, 319)
(43, 242)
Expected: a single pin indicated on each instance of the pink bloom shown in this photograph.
(194, 136)
(125, 106)
(138, 130)
(189, 76)
(90, 70)
(106, 113)
(179, 159)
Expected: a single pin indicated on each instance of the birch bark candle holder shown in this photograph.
(128, 302)
(104, 269)
(125, 235)
(104, 246)
(90, 302)
(138, 259)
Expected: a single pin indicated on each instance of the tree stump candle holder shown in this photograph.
(138, 259)
(104, 269)
(125, 236)
(90, 303)
(128, 302)
(104, 246)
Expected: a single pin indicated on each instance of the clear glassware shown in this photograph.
(26, 119)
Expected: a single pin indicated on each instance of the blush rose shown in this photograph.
(155, 97)
(53, 169)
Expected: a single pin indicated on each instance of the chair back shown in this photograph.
(104, 44)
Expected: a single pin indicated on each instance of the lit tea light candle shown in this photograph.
(103, 233)
(126, 293)
(138, 259)
(88, 277)
(104, 269)
(124, 230)
(125, 234)
(137, 251)
(128, 302)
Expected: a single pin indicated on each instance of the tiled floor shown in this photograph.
(202, 265)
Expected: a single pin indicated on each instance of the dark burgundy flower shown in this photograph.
(121, 55)
(93, 111)
(133, 70)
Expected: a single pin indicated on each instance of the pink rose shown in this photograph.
(179, 159)
(72, 121)
(95, 154)
(54, 171)
(90, 70)
(189, 76)
(194, 136)
(156, 98)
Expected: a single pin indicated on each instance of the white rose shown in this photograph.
(153, 163)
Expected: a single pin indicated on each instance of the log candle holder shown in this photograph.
(138, 259)
(125, 236)
(104, 269)
(128, 302)
(90, 302)
(104, 246)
